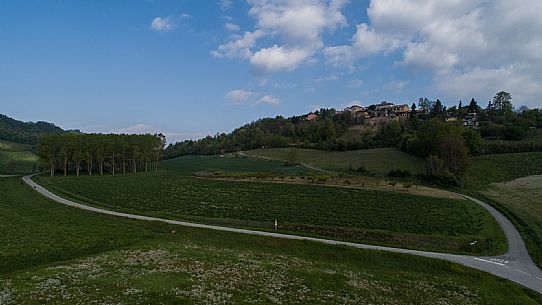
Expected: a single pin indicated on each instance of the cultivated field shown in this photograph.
(378, 161)
(58, 255)
(368, 216)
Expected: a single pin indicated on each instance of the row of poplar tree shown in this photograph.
(113, 153)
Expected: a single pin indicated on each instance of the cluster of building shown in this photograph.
(387, 110)
(384, 109)
(469, 120)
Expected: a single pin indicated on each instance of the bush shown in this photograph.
(362, 170)
(513, 133)
(399, 173)
(504, 147)
(323, 178)
(491, 130)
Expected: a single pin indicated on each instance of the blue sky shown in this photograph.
(190, 68)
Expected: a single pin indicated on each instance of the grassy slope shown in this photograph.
(20, 153)
(379, 161)
(59, 255)
(367, 216)
(504, 167)
(490, 169)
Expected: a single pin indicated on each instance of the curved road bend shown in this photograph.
(515, 265)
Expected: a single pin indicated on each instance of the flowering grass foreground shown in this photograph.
(189, 273)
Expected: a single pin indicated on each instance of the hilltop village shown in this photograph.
(384, 112)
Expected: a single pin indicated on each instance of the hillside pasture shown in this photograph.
(16, 158)
(523, 197)
(378, 161)
(489, 169)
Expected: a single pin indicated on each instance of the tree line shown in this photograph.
(270, 132)
(100, 153)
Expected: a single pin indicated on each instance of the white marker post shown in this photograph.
(473, 244)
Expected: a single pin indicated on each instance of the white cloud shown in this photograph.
(395, 85)
(471, 47)
(521, 81)
(239, 47)
(350, 104)
(232, 27)
(244, 97)
(299, 23)
(364, 42)
(278, 58)
(138, 129)
(238, 96)
(171, 136)
(224, 4)
(163, 24)
(329, 77)
(294, 29)
(268, 100)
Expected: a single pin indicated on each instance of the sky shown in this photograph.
(190, 68)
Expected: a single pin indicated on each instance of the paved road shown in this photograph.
(515, 265)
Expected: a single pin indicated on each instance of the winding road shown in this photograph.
(515, 265)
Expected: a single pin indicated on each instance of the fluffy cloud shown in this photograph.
(364, 42)
(231, 27)
(472, 47)
(294, 28)
(244, 97)
(239, 46)
(279, 58)
(238, 96)
(224, 4)
(163, 24)
(171, 136)
(268, 100)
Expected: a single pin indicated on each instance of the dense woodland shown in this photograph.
(100, 153)
(25, 132)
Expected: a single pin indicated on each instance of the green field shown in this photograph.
(487, 179)
(524, 197)
(378, 161)
(16, 158)
(369, 216)
(488, 169)
(53, 254)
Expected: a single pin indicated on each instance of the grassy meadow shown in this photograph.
(59, 255)
(523, 196)
(378, 161)
(488, 169)
(360, 215)
(493, 179)
(16, 158)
